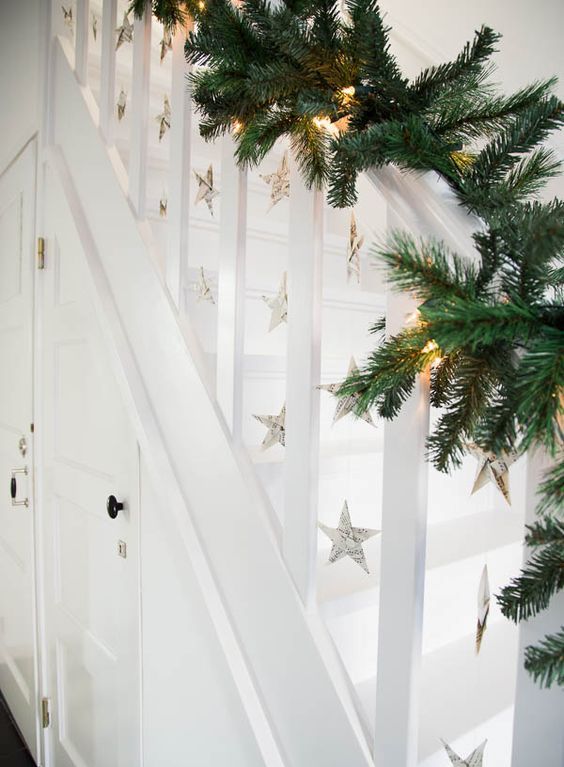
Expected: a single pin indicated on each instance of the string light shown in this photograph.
(430, 347)
(201, 5)
(348, 92)
(237, 127)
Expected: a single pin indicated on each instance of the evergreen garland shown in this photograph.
(491, 331)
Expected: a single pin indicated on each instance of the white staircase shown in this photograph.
(322, 680)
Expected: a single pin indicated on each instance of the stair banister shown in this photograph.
(180, 172)
(137, 169)
(108, 69)
(231, 290)
(301, 457)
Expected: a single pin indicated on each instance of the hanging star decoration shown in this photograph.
(279, 182)
(474, 760)
(121, 104)
(492, 468)
(346, 405)
(67, 16)
(278, 305)
(163, 206)
(124, 32)
(347, 540)
(483, 607)
(94, 26)
(203, 288)
(164, 118)
(353, 251)
(206, 189)
(276, 425)
(166, 43)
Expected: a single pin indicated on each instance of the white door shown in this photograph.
(18, 674)
(91, 559)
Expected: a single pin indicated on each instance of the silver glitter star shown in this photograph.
(483, 607)
(474, 760)
(279, 182)
(492, 468)
(278, 305)
(164, 118)
(353, 251)
(276, 425)
(121, 104)
(206, 189)
(346, 405)
(347, 540)
(124, 32)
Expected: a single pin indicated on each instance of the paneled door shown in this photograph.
(18, 673)
(90, 543)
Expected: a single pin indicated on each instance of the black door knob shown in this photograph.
(13, 488)
(113, 506)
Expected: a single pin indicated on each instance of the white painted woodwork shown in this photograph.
(539, 713)
(192, 713)
(137, 166)
(108, 69)
(231, 289)
(18, 669)
(265, 612)
(180, 172)
(90, 451)
(81, 42)
(402, 575)
(305, 254)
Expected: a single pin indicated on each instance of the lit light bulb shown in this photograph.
(237, 127)
(201, 5)
(348, 92)
(430, 346)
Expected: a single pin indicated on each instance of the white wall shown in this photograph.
(20, 24)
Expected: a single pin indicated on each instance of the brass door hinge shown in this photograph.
(45, 713)
(41, 253)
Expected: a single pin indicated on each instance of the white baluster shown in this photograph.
(81, 42)
(108, 69)
(140, 111)
(231, 289)
(302, 377)
(539, 714)
(402, 574)
(179, 179)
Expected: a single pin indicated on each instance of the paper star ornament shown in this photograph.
(124, 32)
(121, 104)
(347, 540)
(474, 760)
(166, 43)
(276, 425)
(483, 607)
(203, 288)
(346, 405)
(353, 251)
(67, 16)
(206, 189)
(164, 118)
(492, 468)
(279, 182)
(278, 305)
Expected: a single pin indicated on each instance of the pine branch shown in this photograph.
(545, 661)
(551, 490)
(541, 577)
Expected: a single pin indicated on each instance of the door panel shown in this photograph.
(18, 677)
(90, 452)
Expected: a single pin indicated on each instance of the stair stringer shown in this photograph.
(296, 703)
